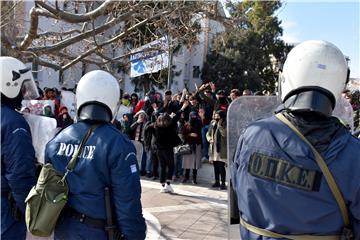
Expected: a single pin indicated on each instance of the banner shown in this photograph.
(37, 106)
(144, 60)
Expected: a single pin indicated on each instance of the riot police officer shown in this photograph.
(17, 151)
(107, 160)
(282, 191)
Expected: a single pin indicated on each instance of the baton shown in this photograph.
(109, 218)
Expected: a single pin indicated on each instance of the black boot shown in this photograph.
(194, 176)
(187, 175)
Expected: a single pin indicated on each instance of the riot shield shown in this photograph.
(344, 111)
(69, 101)
(43, 129)
(243, 111)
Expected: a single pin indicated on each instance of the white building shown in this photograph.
(189, 62)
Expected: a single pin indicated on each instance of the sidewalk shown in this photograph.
(192, 212)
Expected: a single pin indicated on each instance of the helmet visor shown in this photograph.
(29, 89)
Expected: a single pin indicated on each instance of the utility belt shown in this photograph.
(267, 233)
(82, 218)
(93, 222)
(15, 211)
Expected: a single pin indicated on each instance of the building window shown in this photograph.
(196, 71)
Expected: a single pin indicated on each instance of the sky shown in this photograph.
(337, 22)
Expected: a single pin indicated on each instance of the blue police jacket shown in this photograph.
(108, 159)
(17, 156)
(280, 187)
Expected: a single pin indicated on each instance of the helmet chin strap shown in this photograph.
(94, 112)
(310, 101)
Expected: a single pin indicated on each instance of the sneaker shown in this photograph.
(163, 189)
(216, 185)
(223, 187)
(194, 181)
(169, 189)
(149, 175)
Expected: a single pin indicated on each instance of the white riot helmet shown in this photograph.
(97, 96)
(16, 78)
(313, 77)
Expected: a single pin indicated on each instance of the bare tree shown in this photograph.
(94, 31)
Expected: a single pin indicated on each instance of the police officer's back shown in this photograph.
(279, 185)
(108, 160)
(17, 151)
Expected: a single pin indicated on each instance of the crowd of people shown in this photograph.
(159, 122)
(273, 169)
(58, 111)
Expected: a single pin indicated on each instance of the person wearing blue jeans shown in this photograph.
(178, 170)
(149, 167)
(205, 143)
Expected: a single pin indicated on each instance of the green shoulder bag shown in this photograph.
(49, 196)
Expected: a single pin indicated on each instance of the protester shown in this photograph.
(134, 99)
(63, 119)
(192, 135)
(137, 134)
(17, 152)
(247, 92)
(234, 94)
(166, 139)
(218, 148)
(50, 94)
(170, 105)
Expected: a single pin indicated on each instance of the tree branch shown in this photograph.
(49, 33)
(44, 63)
(78, 18)
(34, 22)
(79, 37)
(92, 50)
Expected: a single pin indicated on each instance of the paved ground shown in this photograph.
(192, 212)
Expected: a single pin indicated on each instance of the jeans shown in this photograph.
(148, 162)
(178, 170)
(205, 143)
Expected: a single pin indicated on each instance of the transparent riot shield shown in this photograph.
(243, 111)
(43, 129)
(344, 111)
